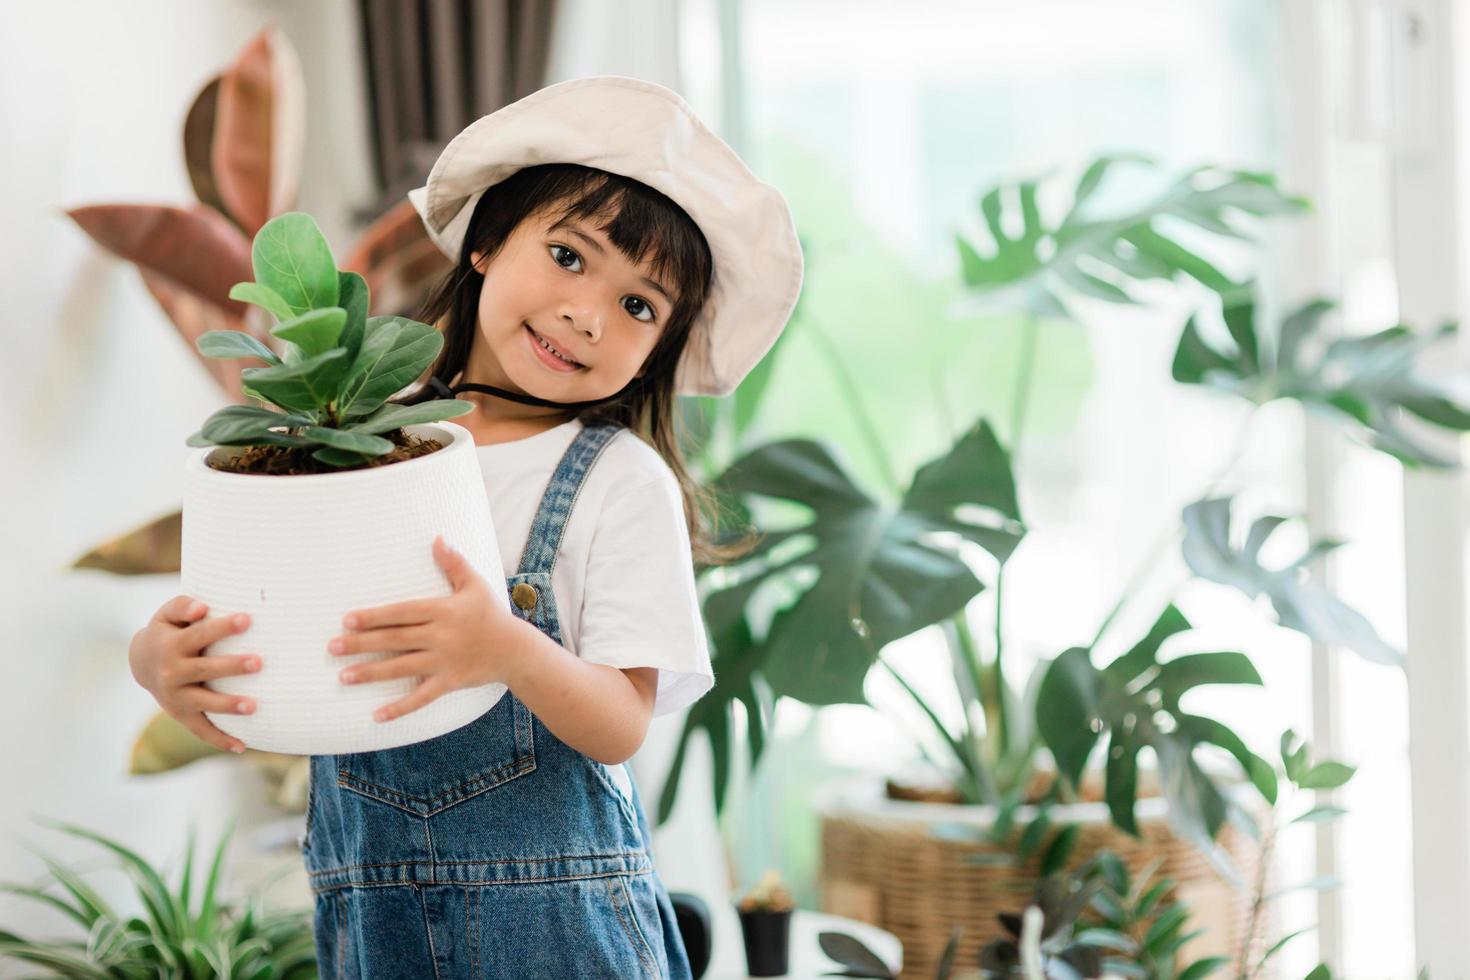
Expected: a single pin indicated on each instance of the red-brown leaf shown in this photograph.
(260, 131)
(197, 249)
(199, 143)
(399, 262)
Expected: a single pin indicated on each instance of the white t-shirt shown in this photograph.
(623, 580)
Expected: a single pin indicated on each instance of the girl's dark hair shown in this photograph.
(639, 221)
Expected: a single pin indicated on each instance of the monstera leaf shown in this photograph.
(1103, 257)
(736, 664)
(1365, 383)
(878, 576)
(1300, 604)
(1133, 703)
(878, 573)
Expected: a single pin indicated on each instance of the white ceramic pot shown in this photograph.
(298, 552)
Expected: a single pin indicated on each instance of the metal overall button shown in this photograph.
(523, 594)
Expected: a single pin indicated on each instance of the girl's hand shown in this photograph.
(451, 642)
(167, 659)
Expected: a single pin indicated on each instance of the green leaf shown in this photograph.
(292, 258)
(1164, 928)
(1258, 770)
(264, 296)
(1059, 850)
(1043, 259)
(1281, 943)
(1120, 785)
(879, 575)
(1326, 775)
(1320, 814)
(332, 456)
(1070, 693)
(392, 416)
(1300, 604)
(151, 888)
(233, 344)
(247, 425)
(1197, 669)
(395, 352)
(352, 296)
(735, 659)
(1200, 969)
(1363, 383)
(355, 442)
(314, 331)
(306, 386)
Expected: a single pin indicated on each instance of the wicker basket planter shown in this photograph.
(919, 869)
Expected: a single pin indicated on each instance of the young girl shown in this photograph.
(611, 253)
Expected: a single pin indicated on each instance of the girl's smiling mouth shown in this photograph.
(545, 356)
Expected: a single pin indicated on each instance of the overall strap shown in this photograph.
(561, 493)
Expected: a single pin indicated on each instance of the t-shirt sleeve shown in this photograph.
(640, 607)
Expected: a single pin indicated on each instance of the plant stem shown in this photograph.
(978, 780)
(995, 706)
(1258, 900)
(989, 685)
(1172, 531)
(855, 402)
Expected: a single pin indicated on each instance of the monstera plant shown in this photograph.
(854, 571)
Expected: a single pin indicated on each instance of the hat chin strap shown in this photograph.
(447, 392)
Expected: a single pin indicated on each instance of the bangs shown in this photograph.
(643, 224)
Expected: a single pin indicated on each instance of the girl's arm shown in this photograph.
(599, 710)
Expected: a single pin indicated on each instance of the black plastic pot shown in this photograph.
(767, 941)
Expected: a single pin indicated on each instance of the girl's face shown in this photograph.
(566, 284)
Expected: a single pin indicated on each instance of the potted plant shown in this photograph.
(173, 936)
(190, 255)
(765, 924)
(327, 497)
(854, 570)
(1099, 920)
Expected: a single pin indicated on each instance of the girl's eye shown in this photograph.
(563, 248)
(556, 257)
(644, 306)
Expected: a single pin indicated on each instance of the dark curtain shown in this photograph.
(435, 66)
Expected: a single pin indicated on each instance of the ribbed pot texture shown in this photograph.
(299, 552)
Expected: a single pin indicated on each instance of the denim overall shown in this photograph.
(495, 850)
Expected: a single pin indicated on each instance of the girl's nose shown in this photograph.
(584, 317)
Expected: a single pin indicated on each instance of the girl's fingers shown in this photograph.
(404, 665)
(398, 639)
(181, 610)
(203, 699)
(200, 635)
(414, 612)
(200, 726)
(426, 692)
(198, 669)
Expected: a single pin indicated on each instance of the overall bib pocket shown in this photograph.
(428, 777)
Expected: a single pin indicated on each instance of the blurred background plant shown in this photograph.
(843, 571)
(1097, 919)
(172, 936)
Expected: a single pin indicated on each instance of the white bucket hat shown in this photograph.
(645, 131)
